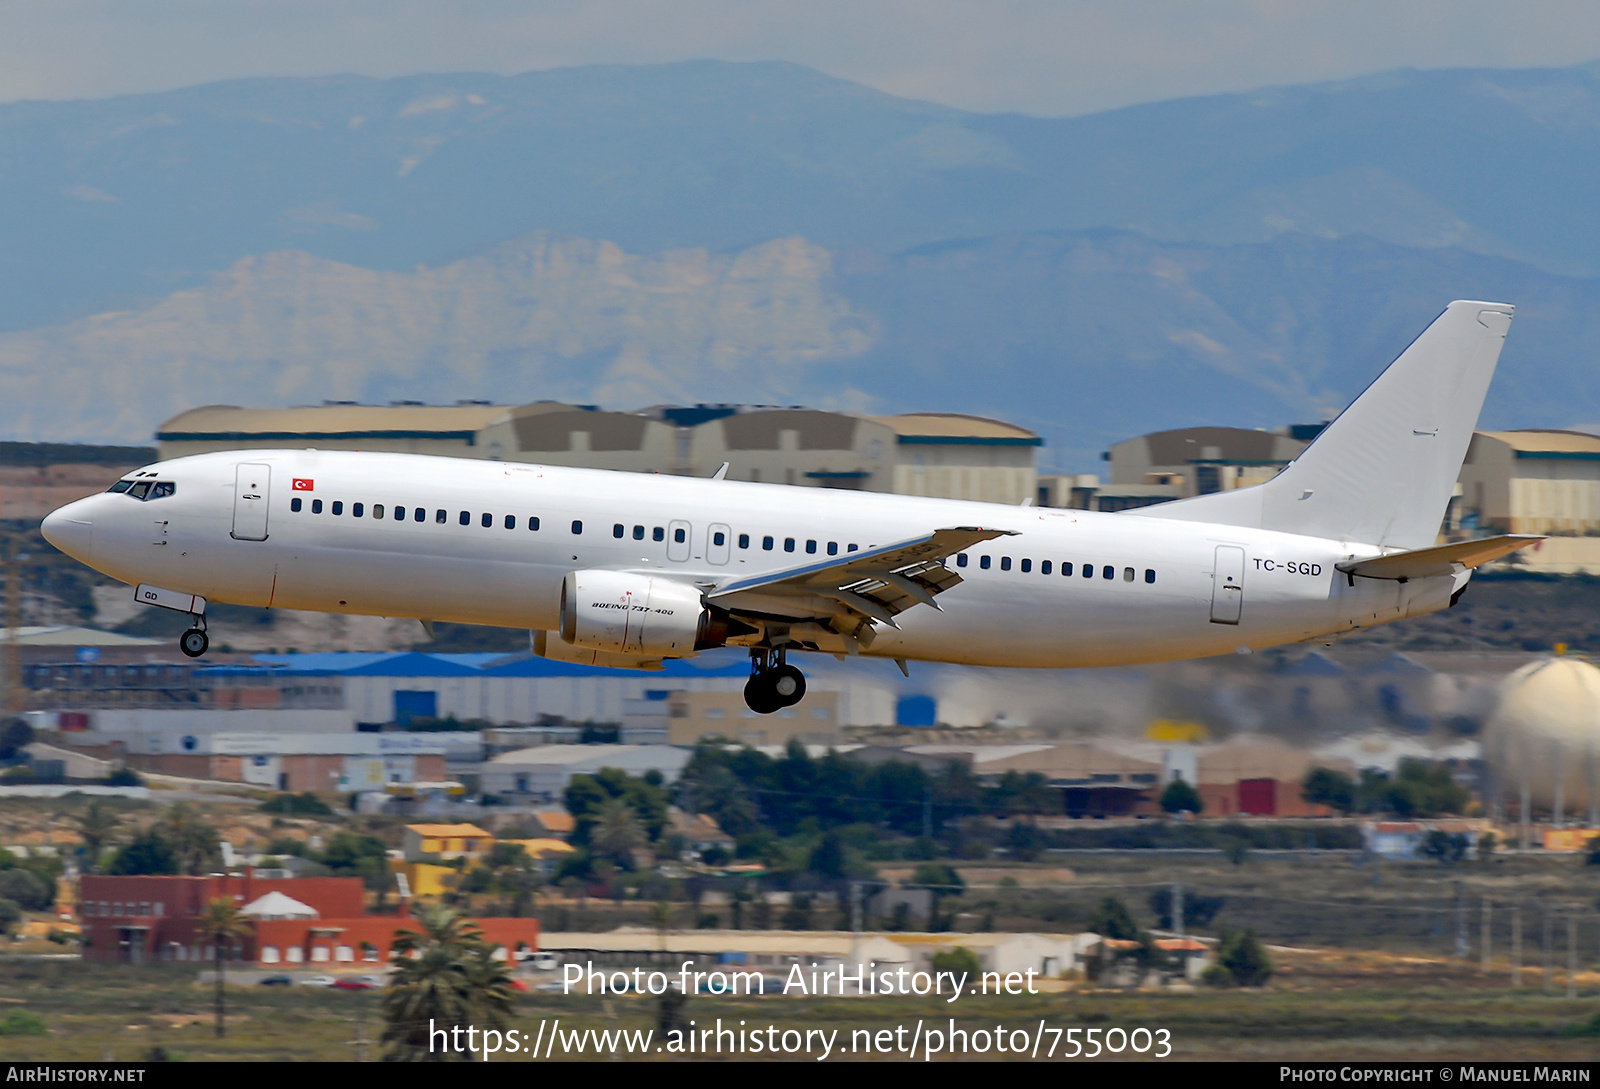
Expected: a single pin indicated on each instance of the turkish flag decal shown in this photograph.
(303, 484)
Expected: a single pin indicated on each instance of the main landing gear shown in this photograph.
(773, 683)
(194, 641)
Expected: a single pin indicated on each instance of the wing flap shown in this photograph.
(1424, 563)
(877, 584)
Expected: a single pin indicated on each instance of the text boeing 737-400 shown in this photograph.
(625, 569)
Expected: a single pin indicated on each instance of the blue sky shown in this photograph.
(1032, 56)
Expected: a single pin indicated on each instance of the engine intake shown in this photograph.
(638, 614)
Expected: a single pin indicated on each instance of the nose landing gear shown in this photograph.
(194, 642)
(773, 683)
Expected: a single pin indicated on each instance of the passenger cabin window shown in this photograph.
(316, 506)
(338, 507)
(766, 543)
(1149, 575)
(618, 530)
(511, 521)
(961, 560)
(744, 540)
(788, 544)
(983, 562)
(658, 534)
(295, 504)
(377, 510)
(1108, 572)
(441, 516)
(419, 515)
(719, 538)
(464, 518)
(811, 547)
(1005, 563)
(638, 533)
(399, 514)
(533, 525)
(1088, 570)
(488, 520)
(1027, 565)
(577, 529)
(851, 548)
(833, 548)
(1127, 574)
(1044, 567)
(679, 536)
(1066, 568)
(357, 509)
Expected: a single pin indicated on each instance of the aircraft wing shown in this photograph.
(858, 587)
(1422, 563)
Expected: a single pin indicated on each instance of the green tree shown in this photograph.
(1324, 786)
(1180, 797)
(1445, 847)
(615, 833)
(149, 852)
(941, 877)
(1241, 953)
(445, 975)
(97, 825)
(10, 915)
(1112, 919)
(196, 846)
(958, 960)
(221, 924)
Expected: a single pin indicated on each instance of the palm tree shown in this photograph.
(446, 976)
(96, 826)
(222, 925)
(617, 833)
(195, 843)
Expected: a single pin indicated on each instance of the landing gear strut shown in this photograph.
(194, 641)
(773, 683)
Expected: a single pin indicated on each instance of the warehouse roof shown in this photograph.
(230, 422)
(957, 428)
(1535, 441)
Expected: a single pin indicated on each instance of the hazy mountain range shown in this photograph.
(762, 232)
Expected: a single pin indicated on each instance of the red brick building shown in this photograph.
(139, 920)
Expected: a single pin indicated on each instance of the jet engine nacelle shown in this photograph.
(626, 613)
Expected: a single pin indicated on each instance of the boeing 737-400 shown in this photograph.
(626, 569)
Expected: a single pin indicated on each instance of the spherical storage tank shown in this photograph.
(1545, 732)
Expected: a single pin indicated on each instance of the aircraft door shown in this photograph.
(678, 539)
(252, 490)
(1227, 588)
(718, 542)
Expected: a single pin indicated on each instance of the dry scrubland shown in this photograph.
(1321, 1006)
(1370, 975)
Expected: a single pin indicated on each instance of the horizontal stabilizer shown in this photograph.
(1442, 560)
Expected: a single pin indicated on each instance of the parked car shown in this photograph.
(317, 981)
(276, 981)
(353, 983)
(517, 984)
(542, 962)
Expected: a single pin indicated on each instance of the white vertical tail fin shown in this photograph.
(1384, 471)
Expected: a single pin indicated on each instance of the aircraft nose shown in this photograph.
(71, 529)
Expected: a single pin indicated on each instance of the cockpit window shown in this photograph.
(145, 489)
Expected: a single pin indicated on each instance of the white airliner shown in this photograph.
(626, 569)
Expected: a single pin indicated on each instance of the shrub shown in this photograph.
(21, 1023)
(1112, 919)
(958, 960)
(1245, 958)
(10, 915)
(1180, 797)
